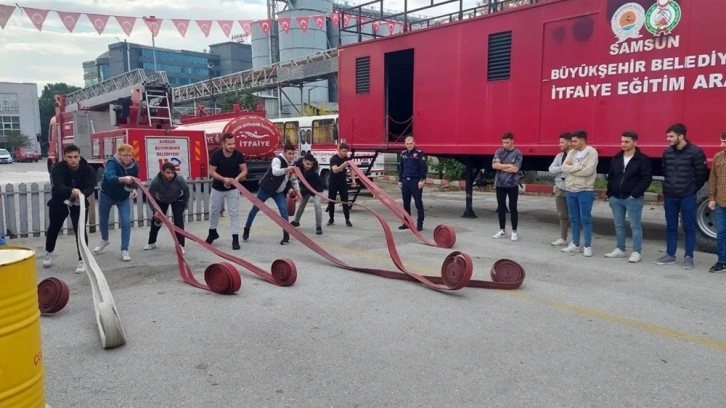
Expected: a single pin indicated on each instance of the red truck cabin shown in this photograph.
(604, 66)
(153, 147)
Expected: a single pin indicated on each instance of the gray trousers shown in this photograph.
(318, 209)
(218, 198)
(564, 216)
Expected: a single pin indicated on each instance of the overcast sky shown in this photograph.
(55, 55)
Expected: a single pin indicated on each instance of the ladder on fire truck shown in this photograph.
(359, 186)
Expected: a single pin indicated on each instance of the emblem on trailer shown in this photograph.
(662, 17)
(628, 20)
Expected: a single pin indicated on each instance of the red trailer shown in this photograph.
(538, 70)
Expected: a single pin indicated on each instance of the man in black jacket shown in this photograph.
(69, 178)
(684, 173)
(310, 169)
(628, 179)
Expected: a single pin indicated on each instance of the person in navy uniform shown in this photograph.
(412, 171)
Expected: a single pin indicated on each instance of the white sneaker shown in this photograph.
(634, 257)
(587, 251)
(184, 251)
(125, 256)
(571, 249)
(48, 260)
(616, 253)
(559, 242)
(500, 234)
(515, 237)
(103, 244)
(149, 246)
(81, 268)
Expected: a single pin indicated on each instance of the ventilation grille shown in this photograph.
(499, 66)
(362, 75)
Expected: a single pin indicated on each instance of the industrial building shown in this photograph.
(19, 111)
(182, 67)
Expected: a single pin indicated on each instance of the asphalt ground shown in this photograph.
(580, 331)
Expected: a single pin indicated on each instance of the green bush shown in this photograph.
(451, 169)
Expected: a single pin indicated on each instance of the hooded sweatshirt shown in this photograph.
(581, 174)
(63, 179)
(110, 185)
(170, 191)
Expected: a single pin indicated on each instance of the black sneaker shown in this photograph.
(402, 227)
(295, 224)
(246, 233)
(285, 238)
(419, 228)
(330, 222)
(212, 236)
(348, 224)
(717, 267)
(235, 242)
(319, 230)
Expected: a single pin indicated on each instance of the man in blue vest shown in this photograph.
(412, 171)
(275, 184)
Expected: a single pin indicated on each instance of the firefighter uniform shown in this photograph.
(413, 169)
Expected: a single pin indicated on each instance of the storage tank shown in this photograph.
(264, 46)
(297, 43)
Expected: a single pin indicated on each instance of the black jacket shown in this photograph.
(684, 171)
(311, 176)
(631, 181)
(63, 180)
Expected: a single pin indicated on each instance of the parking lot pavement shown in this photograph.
(581, 331)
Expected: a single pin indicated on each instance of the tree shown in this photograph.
(47, 107)
(246, 101)
(14, 139)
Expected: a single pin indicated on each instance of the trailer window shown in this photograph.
(323, 131)
(362, 75)
(280, 127)
(290, 135)
(499, 65)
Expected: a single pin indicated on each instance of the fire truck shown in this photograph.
(133, 108)
(540, 69)
(255, 136)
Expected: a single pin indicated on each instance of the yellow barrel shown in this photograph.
(21, 354)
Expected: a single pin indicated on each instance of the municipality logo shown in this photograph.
(627, 21)
(662, 17)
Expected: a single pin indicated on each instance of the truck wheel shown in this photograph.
(325, 175)
(705, 225)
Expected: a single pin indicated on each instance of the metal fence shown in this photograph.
(24, 209)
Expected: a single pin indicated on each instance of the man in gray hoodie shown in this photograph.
(168, 189)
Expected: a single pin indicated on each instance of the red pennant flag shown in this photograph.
(391, 27)
(154, 25)
(246, 26)
(376, 26)
(98, 21)
(69, 19)
(363, 20)
(226, 26)
(284, 24)
(346, 20)
(335, 18)
(264, 26)
(205, 26)
(36, 16)
(5, 13)
(303, 23)
(126, 23)
(320, 20)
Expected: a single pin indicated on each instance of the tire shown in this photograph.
(705, 225)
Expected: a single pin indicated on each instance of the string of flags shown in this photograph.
(100, 21)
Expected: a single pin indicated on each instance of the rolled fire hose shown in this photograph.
(107, 318)
(223, 277)
(456, 270)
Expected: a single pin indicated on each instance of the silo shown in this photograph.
(264, 46)
(297, 43)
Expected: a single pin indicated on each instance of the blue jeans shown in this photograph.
(634, 209)
(123, 208)
(720, 218)
(263, 196)
(686, 207)
(579, 206)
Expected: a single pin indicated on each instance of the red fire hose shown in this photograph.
(222, 277)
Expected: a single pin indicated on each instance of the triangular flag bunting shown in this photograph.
(5, 13)
(391, 27)
(335, 18)
(264, 26)
(126, 23)
(346, 20)
(182, 25)
(319, 20)
(69, 19)
(154, 25)
(376, 26)
(246, 26)
(36, 16)
(226, 26)
(284, 24)
(98, 21)
(303, 22)
(205, 26)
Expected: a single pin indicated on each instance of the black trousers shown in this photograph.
(409, 188)
(502, 194)
(334, 190)
(58, 215)
(177, 210)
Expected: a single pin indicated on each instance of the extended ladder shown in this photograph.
(112, 89)
(157, 104)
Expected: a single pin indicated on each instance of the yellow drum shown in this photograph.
(21, 354)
